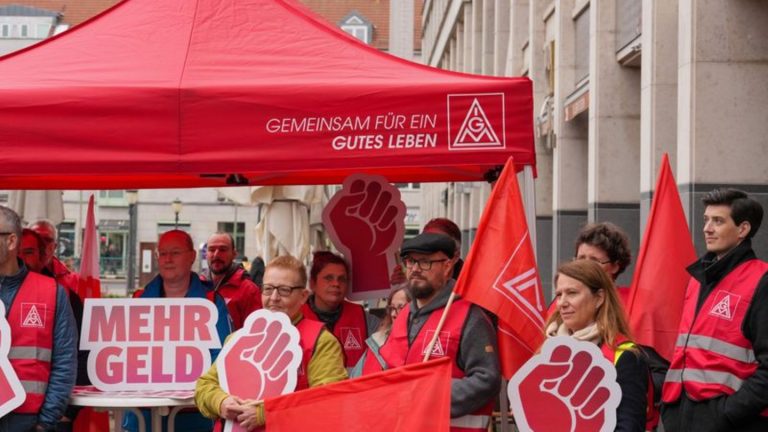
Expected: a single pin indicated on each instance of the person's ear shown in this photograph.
(744, 229)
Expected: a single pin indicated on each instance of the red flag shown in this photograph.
(89, 285)
(500, 274)
(416, 397)
(665, 252)
(87, 419)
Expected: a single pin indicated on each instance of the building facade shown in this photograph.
(617, 83)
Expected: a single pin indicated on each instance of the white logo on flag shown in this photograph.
(726, 305)
(437, 350)
(350, 341)
(33, 318)
(514, 286)
(476, 130)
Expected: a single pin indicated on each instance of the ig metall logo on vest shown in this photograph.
(33, 315)
(725, 305)
(476, 121)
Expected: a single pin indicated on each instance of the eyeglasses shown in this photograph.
(397, 308)
(424, 264)
(7, 233)
(591, 258)
(175, 253)
(282, 290)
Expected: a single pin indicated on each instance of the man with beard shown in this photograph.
(230, 280)
(467, 336)
(39, 314)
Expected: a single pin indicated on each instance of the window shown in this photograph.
(113, 247)
(24, 31)
(358, 27)
(66, 248)
(5, 30)
(408, 186)
(112, 198)
(581, 44)
(239, 235)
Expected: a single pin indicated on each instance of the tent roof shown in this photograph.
(188, 93)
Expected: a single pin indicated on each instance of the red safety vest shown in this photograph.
(351, 330)
(309, 333)
(31, 318)
(396, 351)
(613, 355)
(712, 357)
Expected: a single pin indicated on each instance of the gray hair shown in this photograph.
(11, 222)
(47, 224)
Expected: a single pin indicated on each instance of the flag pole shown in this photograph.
(439, 327)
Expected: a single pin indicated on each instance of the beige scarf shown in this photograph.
(589, 333)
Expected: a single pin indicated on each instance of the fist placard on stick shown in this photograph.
(261, 359)
(366, 222)
(569, 387)
(12, 394)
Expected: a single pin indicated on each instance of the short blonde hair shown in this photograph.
(287, 262)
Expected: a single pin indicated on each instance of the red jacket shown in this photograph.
(241, 294)
(31, 318)
(64, 276)
(712, 357)
(351, 330)
(396, 351)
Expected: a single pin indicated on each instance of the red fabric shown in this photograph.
(242, 296)
(500, 274)
(665, 252)
(183, 93)
(719, 318)
(309, 332)
(351, 324)
(396, 351)
(373, 403)
(31, 318)
(64, 276)
(89, 285)
(88, 420)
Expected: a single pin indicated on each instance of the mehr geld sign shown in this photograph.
(136, 344)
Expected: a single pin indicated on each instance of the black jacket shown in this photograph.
(739, 411)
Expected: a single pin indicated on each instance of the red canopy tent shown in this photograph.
(190, 93)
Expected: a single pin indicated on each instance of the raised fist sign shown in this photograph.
(568, 387)
(261, 360)
(366, 221)
(12, 394)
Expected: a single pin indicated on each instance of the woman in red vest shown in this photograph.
(349, 322)
(588, 309)
(371, 361)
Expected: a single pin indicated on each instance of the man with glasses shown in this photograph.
(607, 245)
(284, 291)
(52, 266)
(33, 250)
(175, 256)
(38, 313)
(230, 280)
(467, 336)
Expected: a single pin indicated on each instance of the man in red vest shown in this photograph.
(51, 265)
(38, 313)
(466, 337)
(231, 281)
(718, 378)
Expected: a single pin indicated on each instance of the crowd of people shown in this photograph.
(716, 380)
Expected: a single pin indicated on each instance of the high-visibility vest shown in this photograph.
(351, 330)
(396, 351)
(712, 357)
(613, 355)
(32, 318)
(309, 333)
